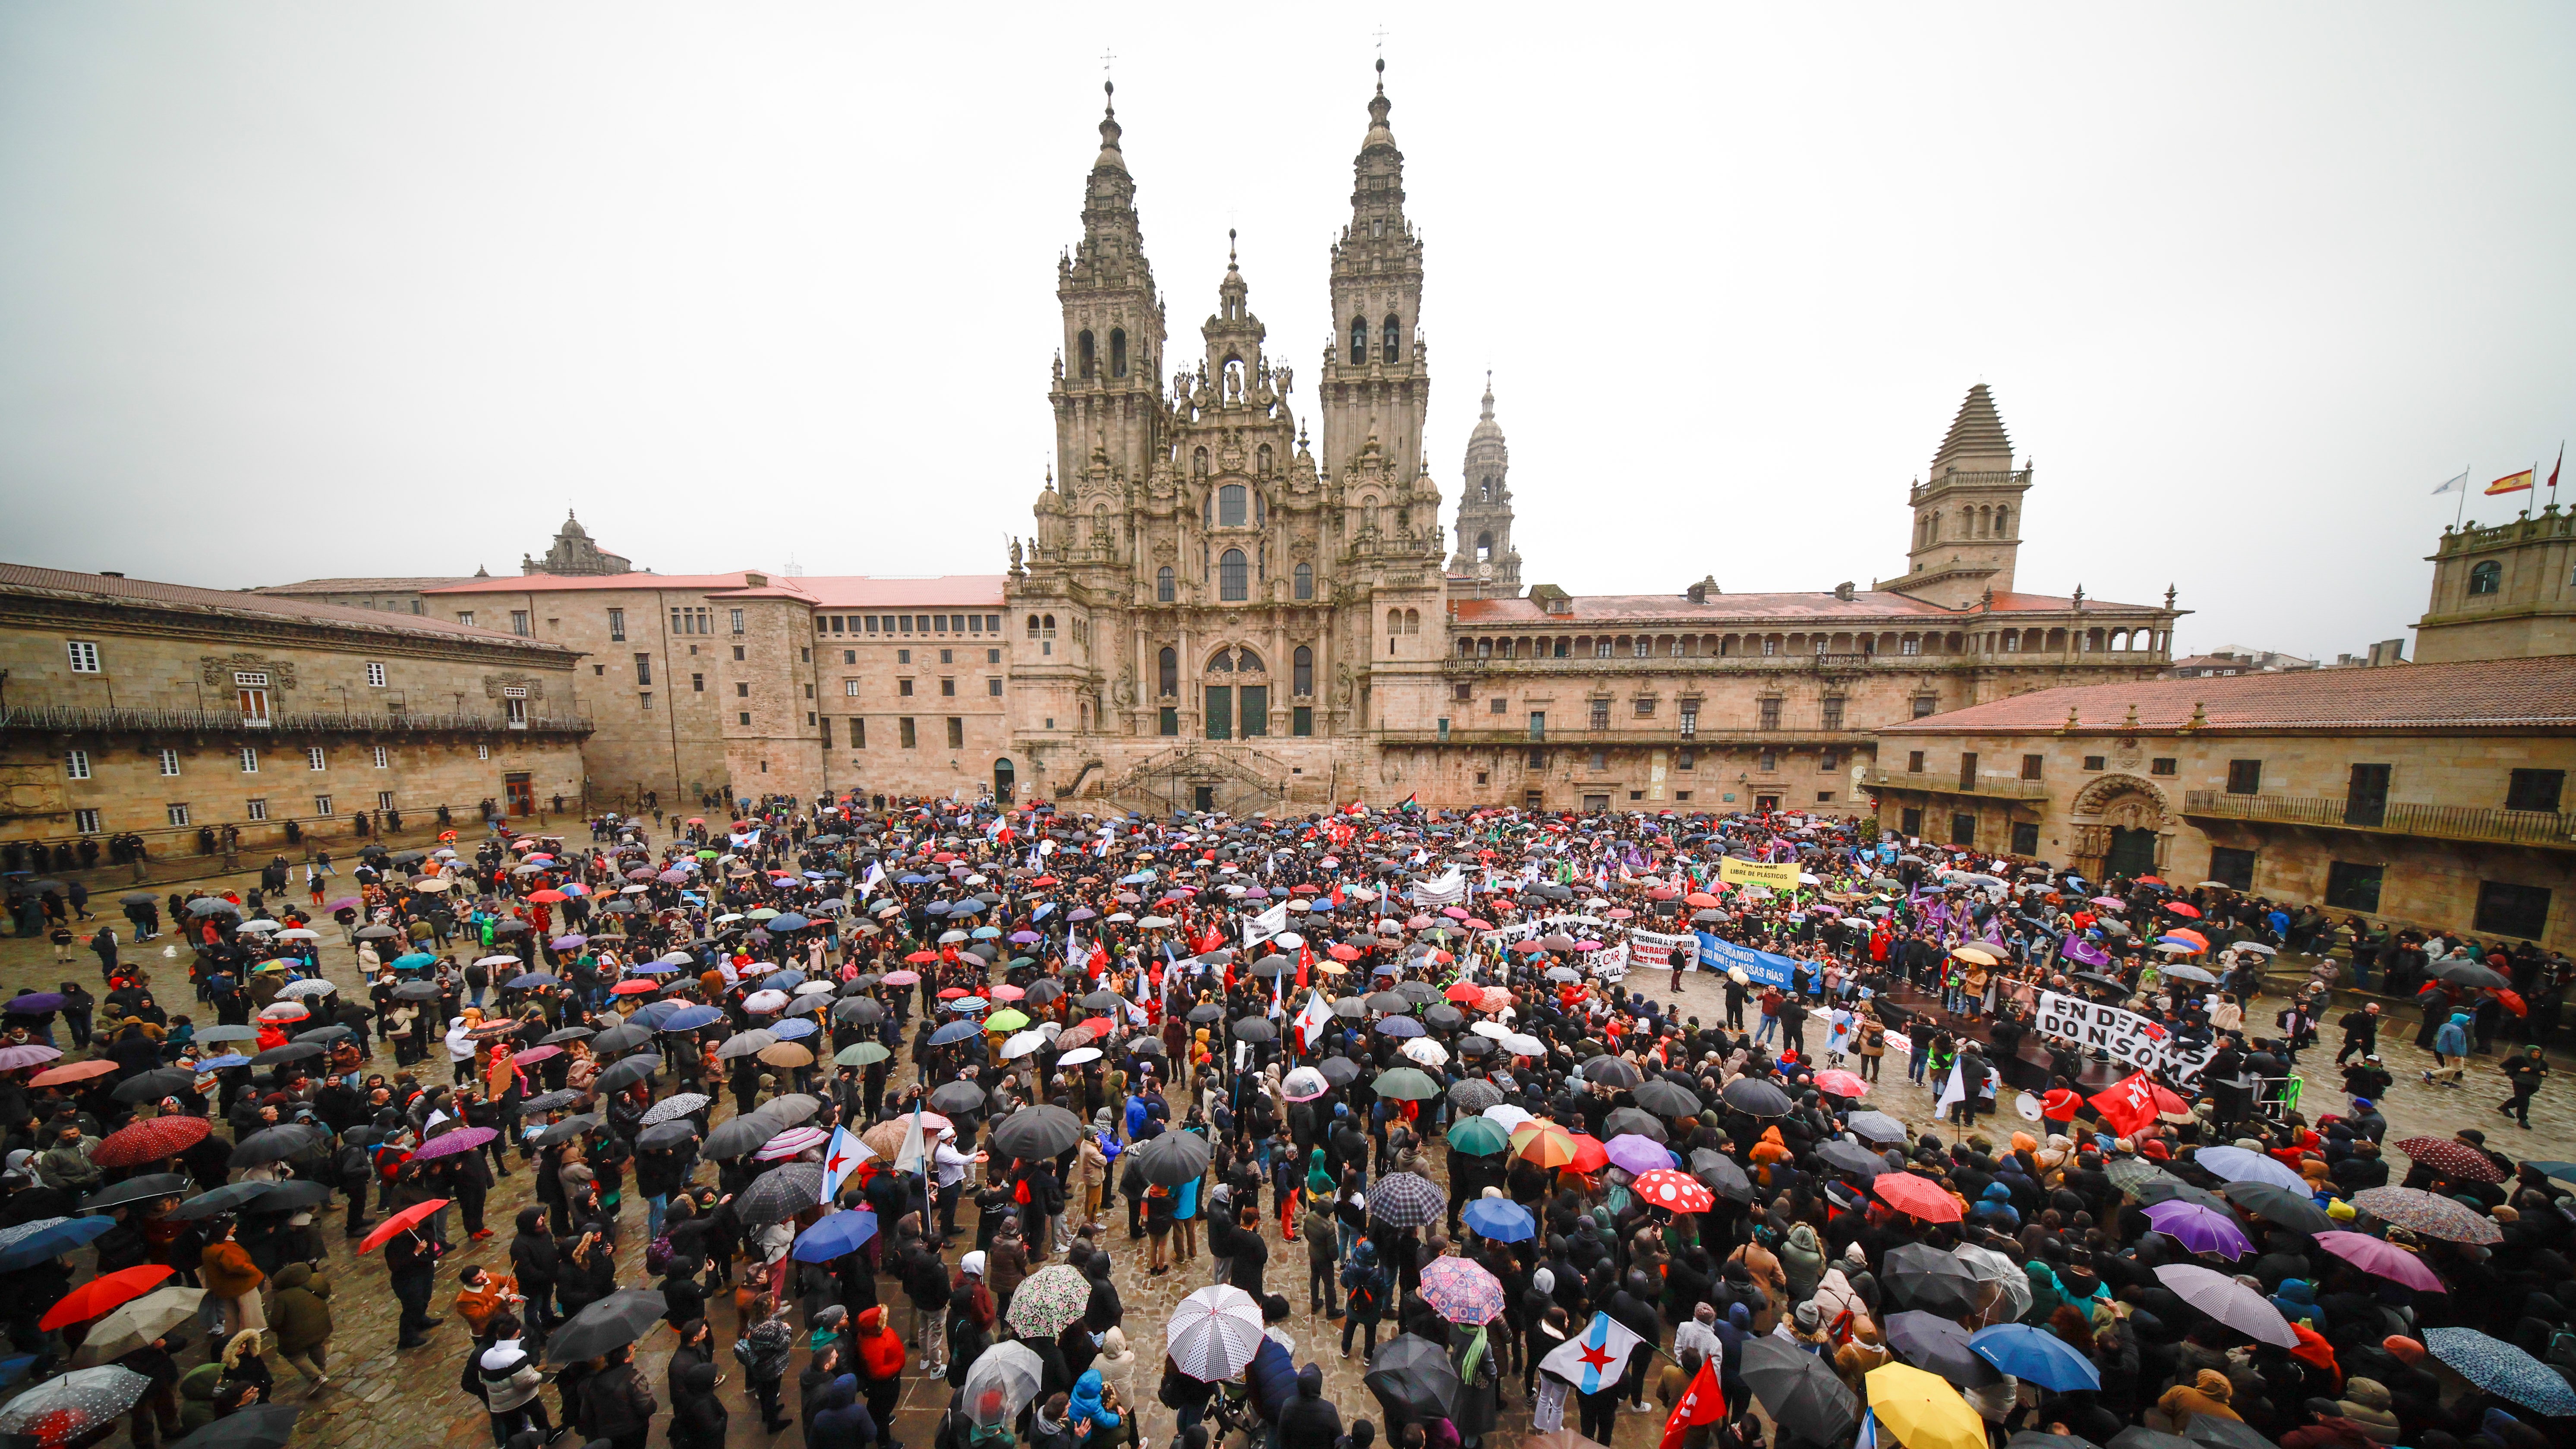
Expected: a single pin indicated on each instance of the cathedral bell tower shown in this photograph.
(1376, 381)
(1106, 396)
(1486, 565)
(1967, 515)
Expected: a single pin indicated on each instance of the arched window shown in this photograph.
(1359, 340)
(1263, 460)
(1198, 462)
(1413, 621)
(1167, 674)
(1117, 352)
(1163, 585)
(1230, 582)
(1394, 622)
(1466, 648)
(1301, 671)
(1247, 662)
(1230, 506)
(1050, 626)
(2486, 578)
(1485, 490)
(2003, 523)
(1033, 626)
(1564, 647)
(1305, 581)
(1084, 347)
(1394, 334)
(1484, 547)
(1484, 648)
(1222, 662)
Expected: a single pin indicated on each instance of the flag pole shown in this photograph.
(2463, 510)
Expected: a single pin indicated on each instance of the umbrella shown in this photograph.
(1800, 1390)
(1500, 1219)
(453, 1143)
(2227, 1433)
(625, 1072)
(1927, 1278)
(1755, 1097)
(1462, 1291)
(624, 1036)
(134, 1190)
(1175, 1158)
(1613, 1072)
(1035, 1132)
(152, 1139)
(1721, 1174)
(550, 1101)
(1479, 1137)
(94, 1298)
(611, 1323)
(261, 1426)
(277, 1144)
(2228, 1301)
(1877, 1127)
(675, 1107)
(1852, 1158)
(1929, 1341)
(2037, 1355)
(2139, 1436)
(738, 1135)
(215, 1202)
(1674, 1191)
(1916, 1196)
(2033, 1439)
(2011, 1284)
(404, 1221)
(1214, 1332)
(837, 1236)
(2381, 1258)
(959, 1097)
(1405, 1200)
(27, 1244)
(2200, 1229)
(781, 1193)
(2293, 1210)
(138, 1322)
(666, 1135)
(2242, 1164)
(1052, 1297)
(294, 1051)
(1473, 1096)
(1921, 1411)
(1660, 1097)
(1413, 1378)
(1405, 1084)
(2452, 1158)
(2499, 1368)
(2422, 1212)
(32, 1054)
(566, 1130)
(75, 1407)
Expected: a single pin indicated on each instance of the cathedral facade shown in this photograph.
(1227, 605)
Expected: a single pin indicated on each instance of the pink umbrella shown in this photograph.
(790, 1142)
(1455, 913)
(1841, 1083)
(2381, 1258)
(1473, 924)
(903, 978)
(537, 1054)
(450, 1144)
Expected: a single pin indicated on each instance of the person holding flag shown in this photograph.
(841, 1157)
(1589, 1365)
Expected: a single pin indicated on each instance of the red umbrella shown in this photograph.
(634, 986)
(1841, 1083)
(1465, 993)
(401, 1222)
(150, 1140)
(1701, 901)
(1343, 952)
(2181, 909)
(1589, 1154)
(953, 993)
(1676, 1191)
(71, 1072)
(1916, 1197)
(922, 958)
(549, 897)
(100, 1296)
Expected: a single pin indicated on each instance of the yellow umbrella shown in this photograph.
(1922, 1410)
(1543, 1143)
(1978, 954)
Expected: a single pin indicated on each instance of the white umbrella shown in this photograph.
(498, 961)
(1426, 1051)
(307, 988)
(761, 1003)
(2007, 1276)
(1510, 1116)
(297, 933)
(1078, 1056)
(2228, 1301)
(1493, 1029)
(1213, 1333)
(1000, 1383)
(1023, 1044)
(816, 988)
(1521, 1044)
(262, 924)
(678, 958)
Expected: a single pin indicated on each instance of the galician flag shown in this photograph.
(914, 1154)
(1312, 1018)
(841, 1159)
(1595, 1357)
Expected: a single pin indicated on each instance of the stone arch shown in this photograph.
(2120, 822)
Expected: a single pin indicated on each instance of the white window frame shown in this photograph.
(176, 813)
(76, 764)
(384, 799)
(256, 809)
(375, 675)
(321, 804)
(382, 759)
(86, 822)
(250, 759)
(83, 654)
(170, 763)
(482, 752)
(314, 759)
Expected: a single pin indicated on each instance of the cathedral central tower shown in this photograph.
(1377, 373)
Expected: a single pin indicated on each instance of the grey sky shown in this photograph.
(292, 290)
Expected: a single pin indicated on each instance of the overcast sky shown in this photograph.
(299, 290)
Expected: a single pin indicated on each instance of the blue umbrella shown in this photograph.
(656, 1013)
(912, 880)
(28, 1244)
(414, 961)
(790, 921)
(2493, 1365)
(792, 1028)
(836, 1236)
(965, 908)
(987, 933)
(1400, 1026)
(2037, 1355)
(955, 1031)
(532, 979)
(1501, 1219)
(651, 968)
(782, 980)
(691, 1017)
(228, 1059)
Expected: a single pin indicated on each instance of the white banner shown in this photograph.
(1260, 928)
(1448, 890)
(2132, 1040)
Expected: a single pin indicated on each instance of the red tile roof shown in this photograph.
(841, 591)
(1865, 605)
(363, 586)
(2478, 694)
(562, 583)
(247, 603)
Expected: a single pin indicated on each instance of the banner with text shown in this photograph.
(1764, 967)
(2132, 1040)
(1269, 923)
(1780, 877)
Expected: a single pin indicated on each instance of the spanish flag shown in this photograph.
(2511, 483)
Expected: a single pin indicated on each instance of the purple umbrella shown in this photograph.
(448, 1144)
(1637, 1154)
(673, 877)
(2200, 1229)
(344, 903)
(2381, 1258)
(1025, 938)
(570, 943)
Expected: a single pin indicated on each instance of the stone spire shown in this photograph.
(1377, 374)
(1484, 532)
(1106, 394)
(1967, 515)
(1976, 440)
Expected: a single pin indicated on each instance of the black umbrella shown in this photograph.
(1417, 993)
(1102, 1000)
(1444, 1016)
(290, 1194)
(1665, 1099)
(1801, 1392)
(2164, 1188)
(550, 1101)
(781, 1193)
(625, 1072)
(1254, 1028)
(153, 1085)
(136, 1189)
(1720, 1174)
(1934, 1343)
(1172, 1159)
(1035, 1132)
(1413, 1379)
(1269, 966)
(558, 1038)
(2224, 1433)
(858, 1011)
(1388, 1002)
(1614, 1072)
(137, 898)
(2465, 972)
(611, 1323)
(958, 1097)
(2033, 1439)
(1756, 1098)
(622, 1037)
(276, 1144)
(1927, 1278)
(261, 1426)
(565, 1131)
(322, 1034)
(738, 1135)
(2139, 1436)
(219, 1201)
(1632, 1120)
(2296, 1211)
(1205, 1013)
(294, 1051)
(1340, 1071)
(418, 991)
(1851, 1157)
(667, 1134)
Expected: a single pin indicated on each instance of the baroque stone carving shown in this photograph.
(495, 685)
(220, 668)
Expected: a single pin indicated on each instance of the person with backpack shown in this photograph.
(763, 1353)
(1364, 1286)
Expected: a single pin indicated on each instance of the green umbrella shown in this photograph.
(864, 1054)
(1479, 1137)
(1404, 1084)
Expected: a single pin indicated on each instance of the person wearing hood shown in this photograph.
(1116, 1365)
(1802, 1260)
(1093, 1412)
(535, 1261)
(1310, 1421)
(510, 1379)
(841, 1421)
(2298, 1303)
(698, 1417)
(1364, 1287)
(763, 1353)
(1995, 1208)
(303, 1314)
(880, 1365)
(2209, 1393)
(1864, 1351)
(2045, 1295)
(2450, 1051)
(2366, 1402)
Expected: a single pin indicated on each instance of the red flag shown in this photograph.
(1305, 963)
(1704, 1402)
(2129, 1104)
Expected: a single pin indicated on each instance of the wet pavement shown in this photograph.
(377, 1396)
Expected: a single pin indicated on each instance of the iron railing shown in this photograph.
(2001, 787)
(2435, 822)
(90, 719)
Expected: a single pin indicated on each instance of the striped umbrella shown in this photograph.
(1543, 1143)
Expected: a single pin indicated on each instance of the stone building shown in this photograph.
(391, 596)
(1221, 609)
(2503, 592)
(129, 707)
(2412, 795)
(574, 555)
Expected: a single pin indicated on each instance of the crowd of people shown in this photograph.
(807, 1054)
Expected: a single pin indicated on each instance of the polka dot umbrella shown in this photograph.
(74, 1407)
(1674, 1191)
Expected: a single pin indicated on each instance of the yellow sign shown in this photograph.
(1780, 877)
